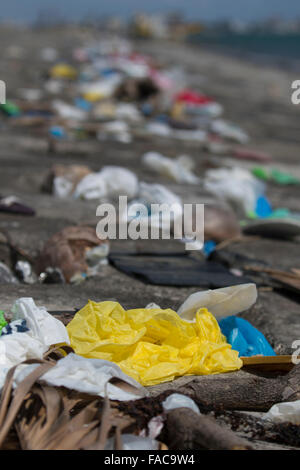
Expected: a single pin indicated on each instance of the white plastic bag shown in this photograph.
(221, 303)
(41, 324)
(158, 194)
(87, 376)
(177, 400)
(44, 331)
(92, 186)
(19, 347)
(104, 88)
(62, 187)
(111, 182)
(128, 111)
(235, 185)
(284, 412)
(159, 128)
(119, 182)
(173, 169)
(229, 131)
(68, 111)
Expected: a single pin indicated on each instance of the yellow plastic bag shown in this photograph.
(152, 345)
(64, 71)
(93, 96)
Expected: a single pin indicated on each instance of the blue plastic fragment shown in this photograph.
(81, 103)
(263, 207)
(57, 131)
(244, 338)
(209, 247)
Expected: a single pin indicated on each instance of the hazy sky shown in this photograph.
(206, 9)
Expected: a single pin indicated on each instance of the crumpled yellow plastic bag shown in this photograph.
(152, 345)
(63, 71)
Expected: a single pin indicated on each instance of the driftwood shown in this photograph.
(260, 431)
(189, 430)
(243, 391)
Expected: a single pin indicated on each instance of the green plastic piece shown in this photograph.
(10, 109)
(3, 322)
(274, 175)
(260, 173)
(283, 178)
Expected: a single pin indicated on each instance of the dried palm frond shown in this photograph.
(111, 418)
(45, 423)
(43, 417)
(10, 408)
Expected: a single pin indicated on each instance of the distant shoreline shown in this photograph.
(279, 51)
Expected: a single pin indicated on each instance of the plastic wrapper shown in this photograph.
(151, 345)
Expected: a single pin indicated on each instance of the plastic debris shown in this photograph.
(151, 345)
(63, 179)
(63, 71)
(158, 194)
(288, 412)
(10, 109)
(275, 176)
(24, 272)
(41, 324)
(229, 131)
(179, 170)
(195, 103)
(248, 154)
(43, 331)
(90, 376)
(3, 322)
(6, 276)
(244, 338)
(177, 400)
(110, 182)
(263, 207)
(236, 185)
(221, 303)
(13, 205)
(67, 111)
(209, 247)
